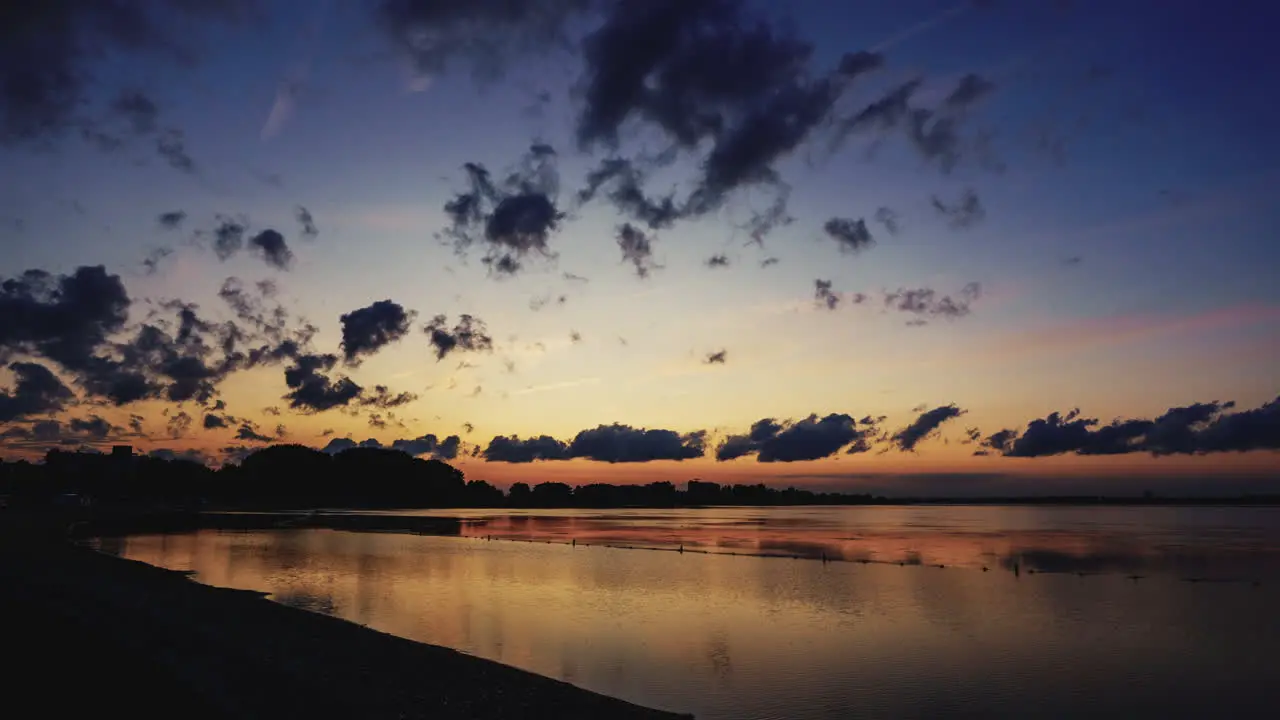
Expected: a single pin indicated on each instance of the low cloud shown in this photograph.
(272, 248)
(367, 330)
(1197, 429)
(514, 218)
(851, 235)
(36, 391)
(468, 335)
(923, 427)
(637, 249)
(812, 438)
(927, 302)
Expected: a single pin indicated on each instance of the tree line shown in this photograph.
(296, 476)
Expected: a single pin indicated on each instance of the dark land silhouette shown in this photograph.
(290, 477)
(91, 635)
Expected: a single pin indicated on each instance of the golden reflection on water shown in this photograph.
(1218, 543)
(732, 637)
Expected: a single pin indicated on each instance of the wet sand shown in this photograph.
(87, 633)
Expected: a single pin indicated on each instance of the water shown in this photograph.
(1116, 612)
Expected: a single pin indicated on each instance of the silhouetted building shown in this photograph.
(122, 469)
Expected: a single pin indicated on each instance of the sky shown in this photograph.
(923, 247)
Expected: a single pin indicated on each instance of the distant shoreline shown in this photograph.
(73, 614)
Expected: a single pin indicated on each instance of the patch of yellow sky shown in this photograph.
(781, 365)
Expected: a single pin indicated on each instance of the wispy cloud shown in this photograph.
(557, 386)
(1089, 332)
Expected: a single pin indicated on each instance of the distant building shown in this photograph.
(122, 463)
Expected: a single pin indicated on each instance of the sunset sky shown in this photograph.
(922, 222)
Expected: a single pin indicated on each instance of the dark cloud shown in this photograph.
(272, 248)
(717, 261)
(936, 134)
(716, 82)
(468, 335)
(383, 397)
(138, 109)
(249, 432)
(927, 302)
(468, 427)
(46, 431)
(228, 237)
(367, 330)
(189, 455)
(964, 213)
(436, 36)
(513, 219)
(851, 235)
(923, 426)
(574, 278)
(312, 390)
(214, 422)
(889, 219)
(718, 357)
(761, 224)
(968, 91)
(36, 391)
(151, 263)
(68, 319)
(178, 424)
(823, 295)
(812, 438)
(308, 223)
(1194, 429)
(636, 249)
(446, 449)
(47, 50)
(768, 262)
(172, 220)
(575, 336)
(270, 410)
(619, 443)
(172, 146)
(625, 191)
(853, 64)
(515, 450)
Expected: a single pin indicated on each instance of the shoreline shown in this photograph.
(100, 630)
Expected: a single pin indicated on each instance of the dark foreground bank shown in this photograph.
(86, 634)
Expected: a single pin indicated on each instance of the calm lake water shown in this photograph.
(1115, 612)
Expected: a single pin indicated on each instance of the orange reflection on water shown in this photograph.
(731, 637)
(1236, 543)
